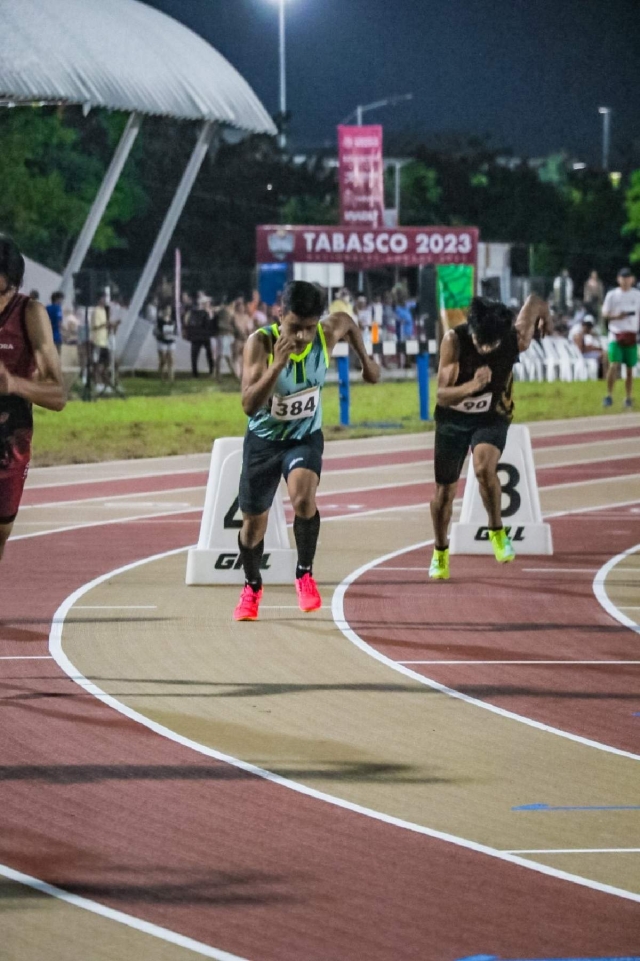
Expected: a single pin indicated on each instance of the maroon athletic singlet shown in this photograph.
(16, 419)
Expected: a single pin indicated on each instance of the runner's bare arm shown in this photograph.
(258, 377)
(341, 326)
(47, 387)
(448, 370)
(533, 311)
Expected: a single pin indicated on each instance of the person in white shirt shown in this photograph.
(621, 312)
(587, 341)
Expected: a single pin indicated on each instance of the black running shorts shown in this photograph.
(453, 440)
(264, 462)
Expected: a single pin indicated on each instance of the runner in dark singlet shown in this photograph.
(474, 410)
(29, 374)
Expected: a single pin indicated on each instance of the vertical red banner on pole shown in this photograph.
(177, 288)
(361, 176)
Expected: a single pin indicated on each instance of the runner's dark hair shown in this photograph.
(303, 299)
(11, 262)
(489, 320)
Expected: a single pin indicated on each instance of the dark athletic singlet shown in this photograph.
(16, 418)
(495, 401)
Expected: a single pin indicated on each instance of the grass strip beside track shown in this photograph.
(184, 422)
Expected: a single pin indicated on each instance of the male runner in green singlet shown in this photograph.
(284, 370)
(474, 409)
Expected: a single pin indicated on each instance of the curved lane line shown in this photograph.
(165, 934)
(337, 607)
(600, 589)
(57, 652)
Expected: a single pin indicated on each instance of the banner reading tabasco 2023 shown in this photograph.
(359, 248)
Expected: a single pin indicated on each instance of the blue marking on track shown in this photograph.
(578, 807)
(494, 957)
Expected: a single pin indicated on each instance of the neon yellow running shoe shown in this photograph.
(439, 567)
(502, 546)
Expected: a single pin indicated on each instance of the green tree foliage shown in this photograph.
(632, 207)
(51, 165)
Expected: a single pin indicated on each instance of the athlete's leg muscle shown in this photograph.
(5, 531)
(254, 527)
(441, 510)
(302, 485)
(485, 462)
(612, 376)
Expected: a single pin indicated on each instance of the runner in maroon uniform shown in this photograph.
(29, 374)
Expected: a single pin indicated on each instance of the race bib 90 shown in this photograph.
(296, 406)
(474, 405)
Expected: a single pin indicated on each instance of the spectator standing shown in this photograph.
(54, 311)
(593, 294)
(621, 312)
(563, 292)
(197, 329)
(224, 341)
(242, 328)
(342, 304)
(166, 334)
(364, 317)
(100, 340)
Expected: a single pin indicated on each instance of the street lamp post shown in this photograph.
(366, 107)
(282, 139)
(606, 135)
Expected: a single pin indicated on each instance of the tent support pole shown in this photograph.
(99, 206)
(164, 236)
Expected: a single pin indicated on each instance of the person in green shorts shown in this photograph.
(621, 312)
(284, 370)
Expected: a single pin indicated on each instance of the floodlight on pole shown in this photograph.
(282, 137)
(606, 135)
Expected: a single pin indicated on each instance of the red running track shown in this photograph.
(490, 612)
(99, 805)
(162, 482)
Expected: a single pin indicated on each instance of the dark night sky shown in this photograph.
(531, 73)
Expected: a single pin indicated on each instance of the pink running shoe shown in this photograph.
(308, 595)
(247, 609)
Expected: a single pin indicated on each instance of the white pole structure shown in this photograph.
(99, 206)
(164, 236)
(606, 135)
(282, 139)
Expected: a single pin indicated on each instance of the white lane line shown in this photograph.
(116, 607)
(575, 570)
(600, 591)
(578, 851)
(115, 499)
(26, 657)
(350, 634)
(518, 662)
(422, 570)
(165, 934)
(55, 647)
(115, 520)
(124, 478)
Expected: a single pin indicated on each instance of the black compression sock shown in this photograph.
(441, 548)
(306, 531)
(251, 560)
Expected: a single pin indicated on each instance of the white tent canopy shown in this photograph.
(123, 55)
